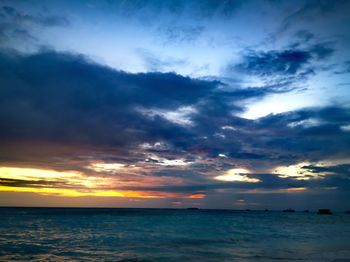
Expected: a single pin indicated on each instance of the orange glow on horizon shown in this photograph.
(74, 184)
(293, 189)
(196, 196)
(98, 193)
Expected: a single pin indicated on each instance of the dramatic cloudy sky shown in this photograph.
(175, 103)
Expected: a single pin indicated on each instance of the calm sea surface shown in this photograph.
(79, 234)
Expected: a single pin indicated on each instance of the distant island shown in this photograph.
(324, 212)
(289, 210)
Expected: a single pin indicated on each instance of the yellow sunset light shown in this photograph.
(237, 175)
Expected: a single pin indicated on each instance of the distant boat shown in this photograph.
(289, 210)
(347, 212)
(324, 212)
(192, 208)
(306, 211)
(247, 210)
(266, 210)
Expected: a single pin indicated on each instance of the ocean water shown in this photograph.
(84, 234)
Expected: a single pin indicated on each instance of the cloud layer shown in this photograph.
(146, 102)
(94, 120)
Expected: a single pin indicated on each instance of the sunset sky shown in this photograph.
(175, 103)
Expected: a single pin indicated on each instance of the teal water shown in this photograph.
(79, 234)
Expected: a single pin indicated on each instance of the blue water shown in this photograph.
(58, 234)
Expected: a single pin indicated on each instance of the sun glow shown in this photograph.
(45, 177)
(300, 171)
(97, 193)
(237, 175)
(106, 167)
(74, 184)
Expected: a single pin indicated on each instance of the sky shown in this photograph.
(175, 103)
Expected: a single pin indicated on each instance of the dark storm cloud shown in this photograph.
(76, 111)
(310, 134)
(288, 62)
(267, 182)
(286, 69)
(322, 51)
(313, 134)
(337, 178)
(32, 183)
(339, 174)
(60, 96)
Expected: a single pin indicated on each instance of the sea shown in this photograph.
(122, 234)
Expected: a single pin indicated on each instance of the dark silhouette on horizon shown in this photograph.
(324, 212)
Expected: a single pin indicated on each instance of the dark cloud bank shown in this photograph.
(71, 108)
